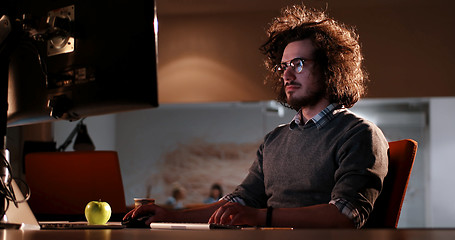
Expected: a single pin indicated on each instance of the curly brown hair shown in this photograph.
(337, 53)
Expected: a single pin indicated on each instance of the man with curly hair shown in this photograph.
(326, 167)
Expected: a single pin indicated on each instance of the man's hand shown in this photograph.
(237, 214)
(151, 212)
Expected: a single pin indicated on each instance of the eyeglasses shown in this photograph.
(296, 64)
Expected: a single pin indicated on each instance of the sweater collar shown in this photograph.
(320, 119)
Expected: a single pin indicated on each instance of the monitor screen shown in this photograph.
(72, 59)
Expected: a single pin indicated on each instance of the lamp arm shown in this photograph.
(69, 139)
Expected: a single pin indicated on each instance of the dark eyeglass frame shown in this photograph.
(296, 64)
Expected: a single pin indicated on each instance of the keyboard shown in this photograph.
(191, 226)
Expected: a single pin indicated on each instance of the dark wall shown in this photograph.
(209, 51)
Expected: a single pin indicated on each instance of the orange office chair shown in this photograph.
(62, 183)
(387, 208)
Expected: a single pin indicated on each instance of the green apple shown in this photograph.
(97, 212)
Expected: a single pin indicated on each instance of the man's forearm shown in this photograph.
(317, 216)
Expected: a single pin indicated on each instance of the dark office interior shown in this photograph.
(205, 69)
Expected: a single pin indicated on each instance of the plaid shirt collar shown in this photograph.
(320, 119)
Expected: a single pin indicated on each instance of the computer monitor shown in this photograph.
(71, 59)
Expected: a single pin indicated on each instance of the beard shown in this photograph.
(311, 98)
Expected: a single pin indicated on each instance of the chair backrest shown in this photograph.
(387, 208)
(62, 183)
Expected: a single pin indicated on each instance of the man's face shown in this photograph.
(304, 88)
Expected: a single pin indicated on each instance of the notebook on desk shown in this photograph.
(78, 225)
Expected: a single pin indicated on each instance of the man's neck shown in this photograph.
(310, 111)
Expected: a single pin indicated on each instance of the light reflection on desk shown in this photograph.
(313, 234)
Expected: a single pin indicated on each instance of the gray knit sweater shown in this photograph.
(305, 165)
